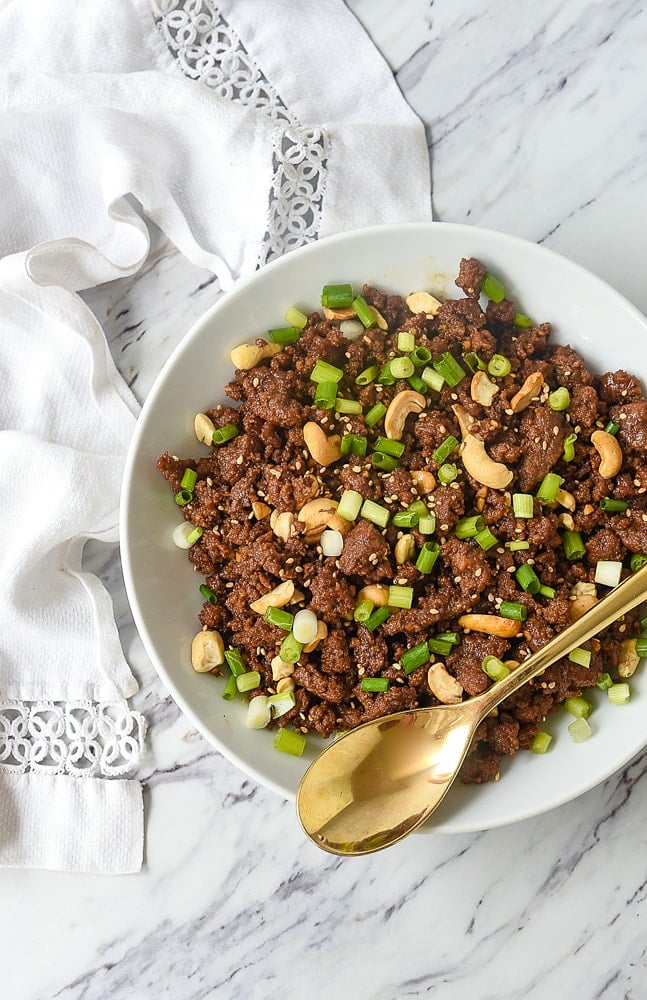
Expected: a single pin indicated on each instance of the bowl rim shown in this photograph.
(238, 290)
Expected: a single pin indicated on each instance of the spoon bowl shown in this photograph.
(378, 783)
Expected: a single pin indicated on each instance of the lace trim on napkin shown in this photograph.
(79, 738)
(207, 48)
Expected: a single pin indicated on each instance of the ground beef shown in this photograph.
(250, 490)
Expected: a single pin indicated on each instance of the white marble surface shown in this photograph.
(536, 119)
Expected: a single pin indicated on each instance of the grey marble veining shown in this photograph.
(536, 121)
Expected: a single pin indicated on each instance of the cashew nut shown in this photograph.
(445, 687)
(506, 628)
(247, 356)
(404, 549)
(333, 314)
(566, 499)
(261, 510)
(465, 419)
(207, 651)
(528, 391)
(281, 669)
(423, 481)
(282, 524)
(204, 428)
(629, 658)
(567, 521)
(315, 516)
(325, 450)
(481, 467)
(322, 632)
(609, 451)
(400, 407)
(482, 389)
(481, 497)
(337, 523)
(375, 592)
(583, 597)
(276, 598)
(379, 319)
(423, 302)
(285, 684)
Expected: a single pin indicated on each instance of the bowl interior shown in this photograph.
(161, 585)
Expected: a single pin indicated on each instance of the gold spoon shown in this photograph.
(378, 783)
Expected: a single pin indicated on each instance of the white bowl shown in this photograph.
(161, 584)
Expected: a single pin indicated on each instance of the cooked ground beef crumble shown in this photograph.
(266, 469)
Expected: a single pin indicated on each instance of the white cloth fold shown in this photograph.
(243, 129)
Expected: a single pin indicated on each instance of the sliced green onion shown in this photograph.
(337, 296)
(375, 414)
(492, 288)
(410, 517)
(612, 427)
(189, 480)
(619, 694)
(406, 340)
(613, 506)
(290, 650)
(352, 406)
(527, 579)
(363, 611)
(439, 646)
(579, 707)
(517, 544)
(350, 504)
(324, 372)
(289, 741)
(376, 513)
(186, 534)
(402, 367)
(420, 356)
(541, 742)
(580, 656)
(447, 473)
(495, 668)
(453, 638)
(445, 449)
(258, 713)
(223, 434)
(547, 591)
(604, 682)
(522, 504)
(280, 618)
(560, 399)
(400, 597)
(294, 317)
(248, 681)
(385, 462)
(417, 384)
(474, 363)
(579, 730)
(368, 375)
(637, 561)
(512, 609)
(547, 492)
(608, 572)
(569, 448)
(427, 557)
(433, 379)
(377, 617)
(375, 684)
(230, 689)
(415, 657)
(386, 376)
(364, 312)
(284, 334)
(353, 444)
(183, 497)
(427, 524)
(641, 645)
(447, 366)
(499, 366)
(486, 539)
(208, 594)
(523, 321)
(468, 527)
(325, 395)
(389, 447)
(643, 624)
(235, 662)
(573, 545)
(281, 703)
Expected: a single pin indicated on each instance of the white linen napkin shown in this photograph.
(243, 128)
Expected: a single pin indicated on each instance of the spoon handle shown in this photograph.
(622, 599)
